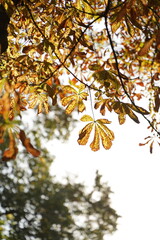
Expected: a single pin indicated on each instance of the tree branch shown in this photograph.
(121, 80)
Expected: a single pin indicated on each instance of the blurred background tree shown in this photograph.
(35, 206)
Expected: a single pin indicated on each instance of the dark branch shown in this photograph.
(121, 80)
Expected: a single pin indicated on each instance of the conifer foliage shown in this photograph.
(62, 52)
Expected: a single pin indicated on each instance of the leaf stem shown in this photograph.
(91, 103)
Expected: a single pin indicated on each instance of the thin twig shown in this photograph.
(91, 103)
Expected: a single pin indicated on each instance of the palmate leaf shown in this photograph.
(103, 104)
(39, 99)
(101, 133)
(138, 109)
(75, 100)
(123, 109)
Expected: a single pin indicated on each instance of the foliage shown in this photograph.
(66, 53)
(35, 206)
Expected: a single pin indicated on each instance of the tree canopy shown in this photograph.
(65, 53)
(33, 205)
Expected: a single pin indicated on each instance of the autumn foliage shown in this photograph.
(57, 52)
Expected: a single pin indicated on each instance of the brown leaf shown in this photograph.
(11, 152)
(26, 143)
(146, 47)
(26, 49)
(151, 147)
(157, 103)
(138, 109)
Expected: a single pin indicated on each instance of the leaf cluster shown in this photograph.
(67, 53)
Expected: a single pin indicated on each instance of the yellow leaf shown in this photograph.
(69, 89)
(81, 87)
(95, 144)
(121, 118)
(68, 99)
(84, 134)
(46, 107)
(106, 141)
(130, 27)
(103, 121)
(86, 118)
(84, 95)
(33, 103)
(71, 106)
(40, 105)
(81, 106)
(109, 133)
(115, 25)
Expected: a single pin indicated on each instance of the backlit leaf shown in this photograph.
(69, 89)
(71, 106)
(86, 118)
(121, 118)
(95, 144)
(84, 134)
(68, 99)
(75, 100)
(106, 141)
(108, 132)
(101, 132)
(81, 106)
(138, 109)
(103, 121)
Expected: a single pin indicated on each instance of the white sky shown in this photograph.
(131, 171)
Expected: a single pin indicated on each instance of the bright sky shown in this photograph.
(131, 171)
